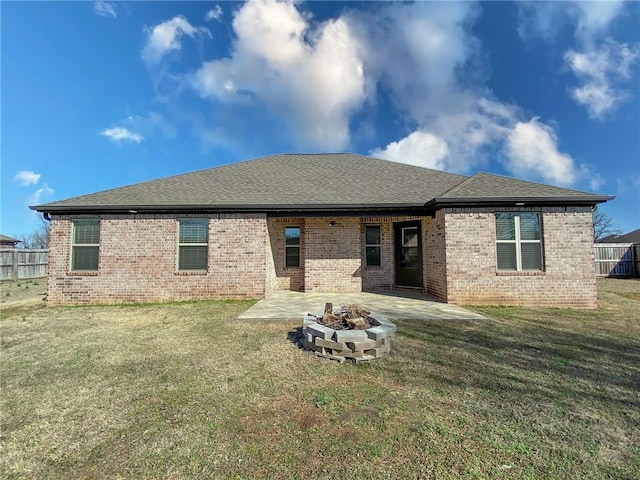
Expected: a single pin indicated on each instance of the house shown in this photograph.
(630, 237)
(324, 222)
(8, 242)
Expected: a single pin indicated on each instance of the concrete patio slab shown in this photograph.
(287, 305)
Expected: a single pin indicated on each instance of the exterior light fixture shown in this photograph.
(332, 223)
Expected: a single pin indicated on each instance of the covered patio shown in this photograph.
(395, 305)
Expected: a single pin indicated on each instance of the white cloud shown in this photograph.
(27, 177)
(594, 18)
(120, 134)
(165, 37)
(600, 65)
(148, 124)
(595, 180)
(456, 142)
(214, 14)
(541, 19)
(590, 19)
(417, 51)
(464, 135)
(419, 148)
(104, 9)
(39, 195)
(599, 69)
(481, 125)
(532, 151)
(312, 78)
(424, 54)
(628, 184)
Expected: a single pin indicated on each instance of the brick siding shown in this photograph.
(333, 255)
(435, 258)
(567, 279)
(286, 278)
(382, 277)
(138, 257)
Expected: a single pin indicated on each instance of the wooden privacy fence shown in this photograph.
(617, 259)
(18, 263)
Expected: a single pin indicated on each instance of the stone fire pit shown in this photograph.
(356, 345)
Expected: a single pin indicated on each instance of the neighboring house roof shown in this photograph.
(631, 237)
(5, 240)
(315, 181)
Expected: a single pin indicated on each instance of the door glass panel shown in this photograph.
(410, 257)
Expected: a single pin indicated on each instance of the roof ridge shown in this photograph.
(459, 185)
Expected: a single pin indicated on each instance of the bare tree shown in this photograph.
(37, 239)
(603, 226)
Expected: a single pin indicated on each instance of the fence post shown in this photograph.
(14, 261)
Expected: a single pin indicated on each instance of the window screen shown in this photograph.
(292, 246)
(192, 244)
(519, 241)
(85, 245)
(373, 249)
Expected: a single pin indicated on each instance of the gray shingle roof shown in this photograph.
(303, 181)
(6, 239)
(630, 237)
(488, 185)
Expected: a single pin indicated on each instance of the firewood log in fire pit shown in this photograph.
(347, 317)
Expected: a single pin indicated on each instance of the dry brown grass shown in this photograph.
(184, 391)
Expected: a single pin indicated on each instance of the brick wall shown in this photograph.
(382, 277)
(435, 258)
(271, 277)
(568, 279)
(286, 278)
(346, 236)
(138, 257)
(333, 255)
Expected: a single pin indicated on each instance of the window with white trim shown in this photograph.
(85, 245)
(519, 241)
(193, 251)
(292, 247)
(373, 245)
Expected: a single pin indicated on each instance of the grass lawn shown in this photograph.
(184, 391)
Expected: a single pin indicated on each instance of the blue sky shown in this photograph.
(97, 95)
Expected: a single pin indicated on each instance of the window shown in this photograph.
(519, 244)
(192, 244)
(85, 245)
(372, 245)
(292, 247)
